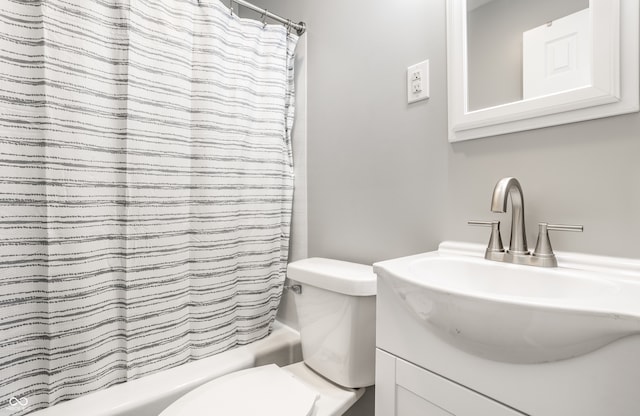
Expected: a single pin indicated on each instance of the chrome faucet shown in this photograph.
(504, 188)
(518, 252)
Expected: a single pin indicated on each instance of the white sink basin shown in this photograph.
(518, 314)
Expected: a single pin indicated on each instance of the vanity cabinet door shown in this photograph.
(403, 389)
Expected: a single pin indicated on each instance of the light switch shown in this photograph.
(418, 82)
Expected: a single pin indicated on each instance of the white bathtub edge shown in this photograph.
(149, 395)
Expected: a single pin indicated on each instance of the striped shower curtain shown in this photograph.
(145, 189)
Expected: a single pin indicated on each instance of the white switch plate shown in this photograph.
(418, 82)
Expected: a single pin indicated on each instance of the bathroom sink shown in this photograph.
(504, 281)
(513, 313)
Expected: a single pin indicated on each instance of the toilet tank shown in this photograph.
(337, 312)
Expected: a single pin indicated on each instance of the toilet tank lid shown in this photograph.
(337, 276)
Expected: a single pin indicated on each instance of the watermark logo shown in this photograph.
(15, 405)
(18, 401)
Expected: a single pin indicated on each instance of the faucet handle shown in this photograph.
(495, 241)
(543, 245)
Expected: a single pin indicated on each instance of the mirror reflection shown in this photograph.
(521, 49)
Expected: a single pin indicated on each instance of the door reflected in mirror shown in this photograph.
(568, 71)
(523, 49)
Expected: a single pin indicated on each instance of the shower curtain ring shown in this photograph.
(231, 6)
(264, 17)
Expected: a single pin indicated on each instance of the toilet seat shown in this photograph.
(334, 400)
(269, 390)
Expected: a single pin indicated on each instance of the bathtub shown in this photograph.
(149, 395)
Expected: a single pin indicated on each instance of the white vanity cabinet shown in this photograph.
(404, 389)
(448, 343)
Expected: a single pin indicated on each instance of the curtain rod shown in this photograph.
(300, 27)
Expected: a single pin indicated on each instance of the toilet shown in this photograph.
(336, 313)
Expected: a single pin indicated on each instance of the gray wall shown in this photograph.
(376, 165)
(382, 179)
(584, 173)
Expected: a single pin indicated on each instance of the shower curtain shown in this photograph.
(145, 189)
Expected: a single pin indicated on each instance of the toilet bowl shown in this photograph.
(336, 313)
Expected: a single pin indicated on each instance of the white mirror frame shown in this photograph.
(614, 88)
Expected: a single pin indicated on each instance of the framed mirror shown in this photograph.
(519, 64)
